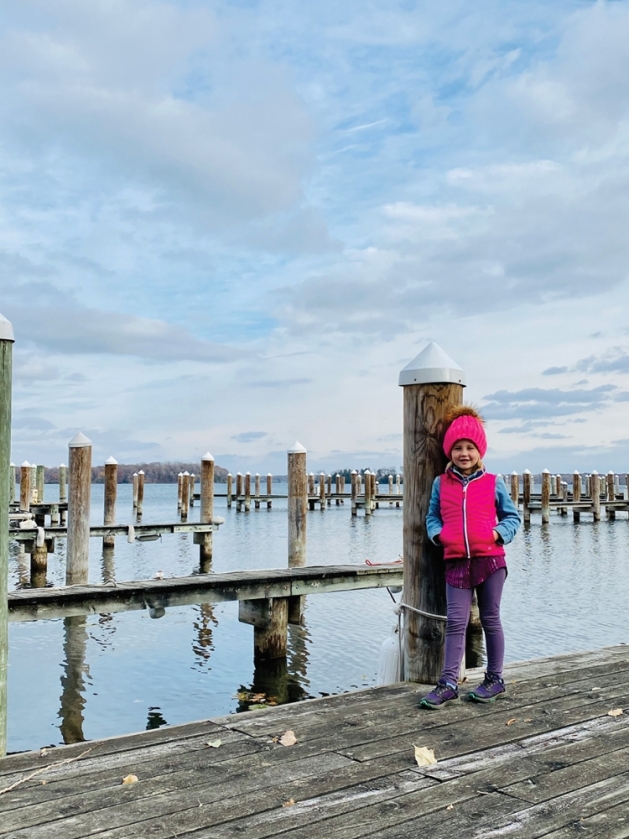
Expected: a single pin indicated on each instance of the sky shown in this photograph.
(226, 226)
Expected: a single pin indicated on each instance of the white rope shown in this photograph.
(422, 613)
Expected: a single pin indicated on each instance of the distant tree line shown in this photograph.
(154, 473)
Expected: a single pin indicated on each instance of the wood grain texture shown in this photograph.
(79, 490)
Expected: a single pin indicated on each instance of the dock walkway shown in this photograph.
(546, 761)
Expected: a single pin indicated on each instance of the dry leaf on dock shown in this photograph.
(130, 779)
(511, 721)
(214, 744)
(424, 756)
(289, 803)
(617, 712)
(288, 738)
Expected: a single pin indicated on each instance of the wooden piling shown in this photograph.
(596, 495)
(611, 494)
(354, 492)
(329, 490)
(576, 494)
(25, 484)
(269, 490)
(185, 495)
(6, 362)
(247, 492)
(136, 482)
(398, 488)
(111, 491)
(432, 383)
(34, 498)
(269, 618)
(40, 482)
(297, 518)
(63, 483)
(179, 491)
(546, 487)
(515, 488)
(368, 490)
(239, 495)
(337, 488)
(230, 482)
(140, 496)
(374, 491)
(342, 488)
(558, 488)
(526, 496)
(192, 479)
(39, 560)
(12, 477)
(322, 501)
(206, 514)
(80, 485)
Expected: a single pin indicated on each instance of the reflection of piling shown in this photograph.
(432, 384)
(6, 360)
(111, 490)
(77, 564)
(73, 679)
(25, 486)
(297, 517)
(207, 512)
(546, 487)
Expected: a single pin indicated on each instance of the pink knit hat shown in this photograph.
(466, 424)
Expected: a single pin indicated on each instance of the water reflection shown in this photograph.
(155, 718)
(203, 643)
(73, 680)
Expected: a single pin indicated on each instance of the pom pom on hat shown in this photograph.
(465, 424)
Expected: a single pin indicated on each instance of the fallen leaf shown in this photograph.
(288, 738)
(511, 721)
(43, 752)
(617, 712)
(424, 756)
(43, 783)
(528, 719)
(130, 779)
(450, 807)
(289, 803)
(214, 744)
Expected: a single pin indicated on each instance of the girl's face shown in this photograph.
(465, 456)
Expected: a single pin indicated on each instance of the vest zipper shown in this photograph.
(465, 536)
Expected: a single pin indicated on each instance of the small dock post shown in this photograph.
(230, 483)
(25, 484)
(311, 491)
(329, 490)
(63, 491)
(546, 487)
(322, 501)
(269, 490)
(337, 489)
(206, 513)
(179, 491)
(297, 518)
(6, 369)
(342, 488)
(109, 507)
(80, 487)
(398, 488)
(192, 479)
(256, 501)
(12, 483)
(611, 494)
(595, 493)
(432, 383)
(136, 482)
(238, 492)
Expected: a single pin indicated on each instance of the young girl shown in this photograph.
(472, 516)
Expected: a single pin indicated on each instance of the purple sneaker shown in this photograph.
(443, 692)
(491, 688)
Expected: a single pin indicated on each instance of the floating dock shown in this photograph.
(548, 760)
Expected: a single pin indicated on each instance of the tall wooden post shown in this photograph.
(12, 483)
(297, 517)
(25, 484)
(256, 502)
(432, 383)
(111, 490)
(185, 495)
(136, 482)
(63, 483)
(80, 487)
(354, 492)
(206, 514)
(179, 491)
(367, 504)
(269, 490)
(140, 498)
(611, 494)
(6, 361)
(576, 494)
(40, 482)
(322, 491)
(238, 491)
(192, 479)
(230, 481)
(515, 488)
(527, 487)
(247, 491)
(546, 488)
(596, 495)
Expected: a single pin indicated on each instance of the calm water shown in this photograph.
(85, 678)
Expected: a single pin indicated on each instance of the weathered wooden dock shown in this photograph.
(547, 760)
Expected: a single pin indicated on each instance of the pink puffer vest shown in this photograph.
(469, 516)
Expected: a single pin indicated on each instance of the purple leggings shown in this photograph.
(459, 605)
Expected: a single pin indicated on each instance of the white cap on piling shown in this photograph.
(187, 473)
(111, 461)
(208, 456)
(26, 464)
(141, 472)
(6, 329)
(431, 366)
(79, 440)
(269, 475)
(297, 448)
